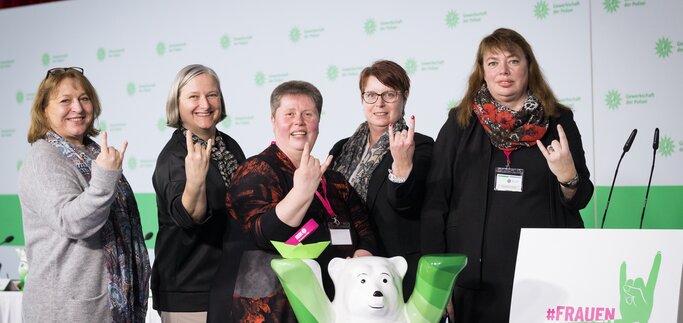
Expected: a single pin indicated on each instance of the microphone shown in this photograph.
(8, 239)
(149, 235)
(627, 147)
(655, 146)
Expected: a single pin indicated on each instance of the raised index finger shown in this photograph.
(188, 141)
(104, 140)
(411, 130)
(563, 137)
(306, 153)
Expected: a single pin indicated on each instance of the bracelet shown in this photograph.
(572, 183)
(396, 179)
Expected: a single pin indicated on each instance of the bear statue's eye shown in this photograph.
(385, 280)
(362, 281)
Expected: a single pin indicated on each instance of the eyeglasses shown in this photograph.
(59, 70)
(388, 96)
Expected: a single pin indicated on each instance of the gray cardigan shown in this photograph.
(63, 215)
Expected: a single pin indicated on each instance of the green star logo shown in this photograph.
(19, 163)
(370, 26)
(410, 66)
(161, 124)
(664, 47)
(46, 59)
(225, 42)
(260, 78)
(102, 125)
(613, 99)
(227, 122)
(132, 163)
(452, 19)
(161, 48)
(332, 72)
(20, 97)
(610, 6)
(131, 88)
(294, 35)
(101, 54)
(452, 104)
(541, 10)
(666, 146)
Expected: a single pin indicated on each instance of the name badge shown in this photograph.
(340, 234)
(509, 179)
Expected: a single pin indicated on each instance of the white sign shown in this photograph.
(591, 275)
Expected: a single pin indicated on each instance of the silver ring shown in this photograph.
(551, 149)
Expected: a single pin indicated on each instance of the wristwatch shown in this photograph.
(572, 183)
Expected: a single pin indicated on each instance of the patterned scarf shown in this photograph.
(508, 129)
(125, 253)
(351, 156)
(227, 163)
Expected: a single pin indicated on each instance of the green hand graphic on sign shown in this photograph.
(636, 295)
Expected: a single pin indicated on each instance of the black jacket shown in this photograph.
(187, 253)
(394, 209)
(455, 207)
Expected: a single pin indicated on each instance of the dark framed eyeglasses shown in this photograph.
(59, 70)
(388, 96)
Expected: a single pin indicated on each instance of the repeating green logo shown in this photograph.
(260, 78)
(46, 59)
(132, 163)
(666, 146)
(102, 125)
(161, 48)
(610, 6)
(452, 19)
(295, 35)
(101, 54)
(131, 88)
(225, 42)
(410, 66)
(19, 163)
(20, 97)
(370, 26)
(332, 72)
(541, 10)
(227, 122)
(613, 99)
(664, 47)
(452, 104)
(161, 124)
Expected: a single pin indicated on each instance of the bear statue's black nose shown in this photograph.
(377, 294)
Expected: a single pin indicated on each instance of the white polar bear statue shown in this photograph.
(369, 289)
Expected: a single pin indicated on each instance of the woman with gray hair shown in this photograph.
(192, 175)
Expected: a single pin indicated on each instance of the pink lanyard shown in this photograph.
(507, 155)
(326, 202)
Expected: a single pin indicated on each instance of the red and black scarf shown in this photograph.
(508, 129)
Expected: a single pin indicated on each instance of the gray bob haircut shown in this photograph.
(185, 75)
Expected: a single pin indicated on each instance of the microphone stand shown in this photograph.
(655, 145)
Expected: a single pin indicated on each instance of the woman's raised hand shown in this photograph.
(110, 158)
(559, 157)
(402, 146)
(197, 159)
(307, 176)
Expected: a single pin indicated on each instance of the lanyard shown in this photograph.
(326, 202)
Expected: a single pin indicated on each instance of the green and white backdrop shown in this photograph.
(617, 63)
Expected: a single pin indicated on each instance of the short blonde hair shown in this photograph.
(39, 123)
(181, 79)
